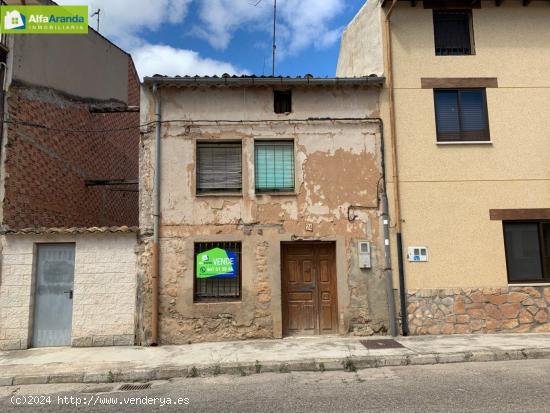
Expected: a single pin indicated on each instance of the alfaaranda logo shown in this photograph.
(39, 18)
(50, 19)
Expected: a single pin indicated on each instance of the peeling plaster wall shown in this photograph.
(337, 164)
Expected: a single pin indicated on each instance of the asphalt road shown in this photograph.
(475, 387)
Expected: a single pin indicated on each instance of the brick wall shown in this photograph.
(104, 289)
(45, 169)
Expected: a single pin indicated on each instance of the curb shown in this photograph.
(348, 364)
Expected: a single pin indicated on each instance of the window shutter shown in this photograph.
(447, 115)
(473, 117)
(546, 248)
(274, 166)
(522, 251)
(219, 167)
(461, 115)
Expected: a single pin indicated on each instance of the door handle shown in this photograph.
(70, 292)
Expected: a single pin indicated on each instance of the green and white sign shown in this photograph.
(217, 263)
(44, 19)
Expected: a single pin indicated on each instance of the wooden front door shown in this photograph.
(309, 288)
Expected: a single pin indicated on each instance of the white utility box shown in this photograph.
(363, 249)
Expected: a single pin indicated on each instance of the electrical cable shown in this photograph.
(191, 122)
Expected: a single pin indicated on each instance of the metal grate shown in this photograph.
(381, 344)
(218, 288)
(452, 32)
(282, 101)
(137, 386)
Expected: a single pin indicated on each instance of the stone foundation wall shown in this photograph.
(479, 310)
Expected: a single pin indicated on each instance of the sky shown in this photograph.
(208, 37)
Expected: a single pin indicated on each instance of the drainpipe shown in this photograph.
(156, 224)
(4, 76)
(395, 173)
(3, 112)
(387, 248)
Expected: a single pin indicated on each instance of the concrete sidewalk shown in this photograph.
(108, 364)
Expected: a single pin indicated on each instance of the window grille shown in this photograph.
(282, 100)
(214, 289)
(453, 32)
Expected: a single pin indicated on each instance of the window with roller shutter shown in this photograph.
(219, 167)
(527, 247)
(461, 115)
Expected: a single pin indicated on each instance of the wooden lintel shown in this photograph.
(538, 214)
(452, 4)
(458, 82)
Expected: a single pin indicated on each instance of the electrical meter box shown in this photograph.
(418, 254)
(363, 249)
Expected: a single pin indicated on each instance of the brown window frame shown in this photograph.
(461, 135)
(282, 101)
(469, 17)
(545, 266)
(199, 298)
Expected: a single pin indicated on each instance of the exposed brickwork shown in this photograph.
(104, 289)
(45, 169)
(479, 310)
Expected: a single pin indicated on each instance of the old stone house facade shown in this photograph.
(268, 195)
(469, 163)
(68, 190)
